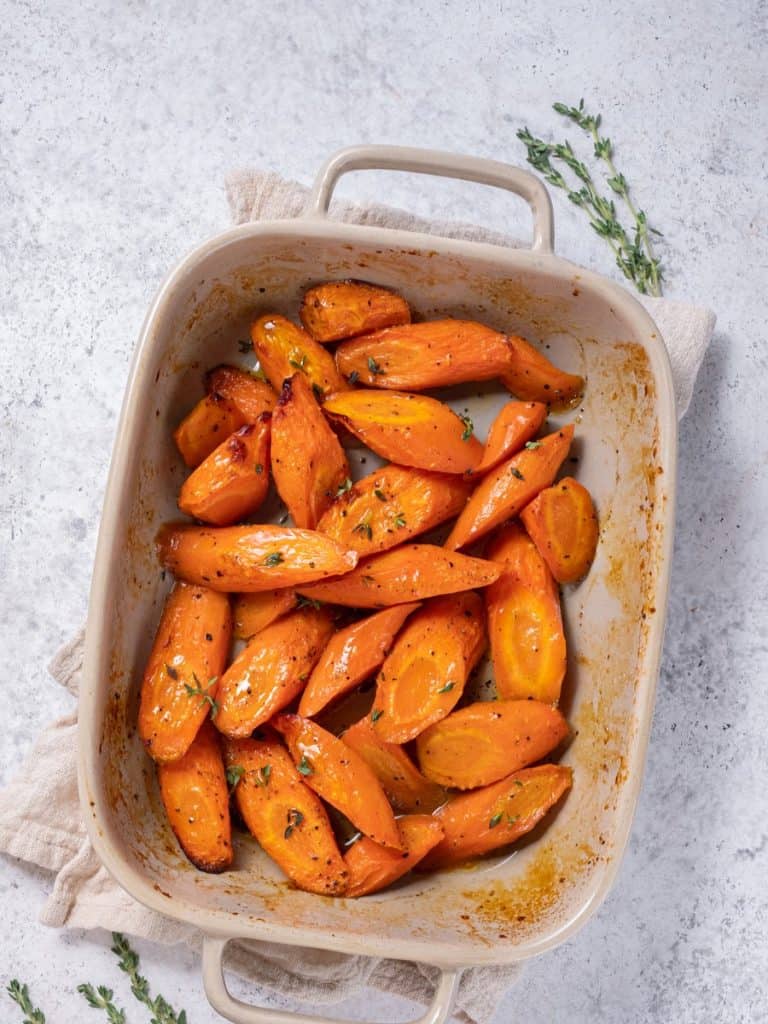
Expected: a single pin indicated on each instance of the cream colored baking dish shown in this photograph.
(505, 909)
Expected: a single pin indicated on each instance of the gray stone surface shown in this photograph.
(118, 123)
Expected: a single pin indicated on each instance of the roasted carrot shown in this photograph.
(283, 348)
(253, 612)
(342, 309)
(412, 430)
(392, 505)
(250, 558)
(476, 823)
(483, 742)
(372, 867)
(196, 800)
(350, 656)
(211, 421)
(412, 572)
(562, 522)
(510, 487)
(533, 378)
(308, 463)
(189, 653)
(516, 425)
(423, 677)
(341, 777)
(524, 621)
(284, 815)
(251, 395)
(407, 789)
(272, 670)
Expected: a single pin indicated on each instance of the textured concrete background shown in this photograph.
(118, 123)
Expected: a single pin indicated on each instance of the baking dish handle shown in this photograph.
(444, 165)
(243, 1013)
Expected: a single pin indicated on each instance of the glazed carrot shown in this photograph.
(286, 818)
(373, 867)
(189, 653)
(524, 621)
(271, 671)
(516, 425)
(423, 678)
(341, 777)
(562, 522)
(283, 348)
(342, 309)
(253, 612)
(407, 789)
(308, 463)
(211, 421)
(392, 505)
(412, 572)
(483, 742)
(476, 823)
(251, 395)
(196, 800)
(510, 487)
(412, 430)
(250, 558)
(533, 378)
(351, 655)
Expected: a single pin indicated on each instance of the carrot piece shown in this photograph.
(392, 505)
(516, 425)
(212, 420)
(342, 309)
(308, 463)
(250, 558)
(253, 612)
(283, 348)
(248, 393)
(412, 430)
(196, 800)
(271, 671)
(373, 867)
(485, 741)
(423, 678)
(341, 777)
(286, 818)
(510, 487)
(190, 651)
(524, 621)
(412, 572)
(407, 789)
(351, 655)
(476, 823)
(533, 378)
(562, 522)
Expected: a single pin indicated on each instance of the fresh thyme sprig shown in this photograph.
(101, 999)
(20, 995)
(128, 962)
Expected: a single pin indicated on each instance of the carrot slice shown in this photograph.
(562, 523)
(476, 823)
(351, 655)
(373, 867)
(342, 309)
(189, 653)
(412, 572)
(510, 487)
(412, 430)
(248, 393)
(271, 671)
(534, 379)
(308, 463)
(250, 558)
(211, 421)
(287, 819)
(283, 348)
(341, 777)
(253, 612)
(407, 789)
(392, 505)
(516, 425)
(524, 621)
(196, 800)
(423, 678)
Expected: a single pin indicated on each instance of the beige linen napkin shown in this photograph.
(40, 818)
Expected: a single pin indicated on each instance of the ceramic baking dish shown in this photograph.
(510, 907)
